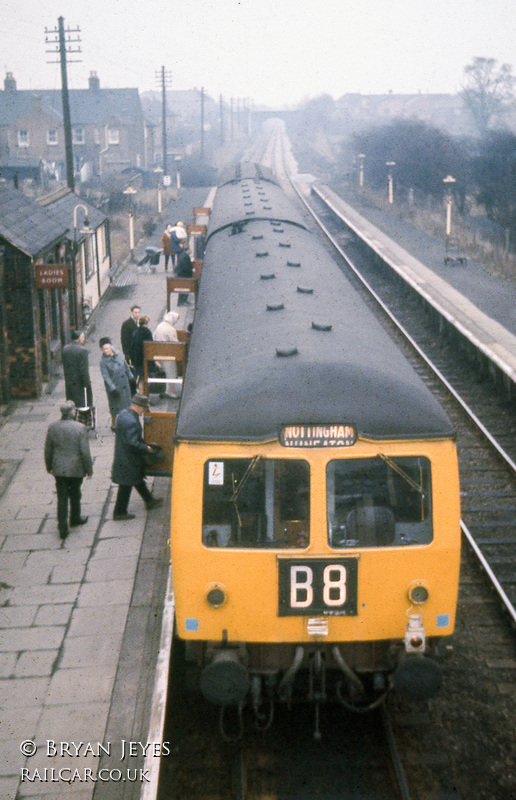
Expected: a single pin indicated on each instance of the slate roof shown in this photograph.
(61, 208)
(87, 106)
(25, 224)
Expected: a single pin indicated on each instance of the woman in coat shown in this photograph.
(117, 376)
(177, 237)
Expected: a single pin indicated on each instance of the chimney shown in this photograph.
(9, 82)
(94, 82)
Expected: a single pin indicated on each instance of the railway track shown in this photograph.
(356, 758)
(483, 416)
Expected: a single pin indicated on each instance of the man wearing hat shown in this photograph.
(76, 371)
(129, 459)
(68, 459)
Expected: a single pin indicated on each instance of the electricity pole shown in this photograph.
(63, 45)
(165, 77)
(202, 122)
(221, 114)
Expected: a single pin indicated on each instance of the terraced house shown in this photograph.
(107, 130)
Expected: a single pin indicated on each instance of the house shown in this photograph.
(34, 294)
(357, 112)
(88, 248)
(107, 128)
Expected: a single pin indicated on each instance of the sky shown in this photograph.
(267, 52)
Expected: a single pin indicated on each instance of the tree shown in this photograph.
(317, 113)
(423, 156)
(488, 91)
(494, 170)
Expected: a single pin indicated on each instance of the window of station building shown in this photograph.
(78, 136)
(23, 138)
(113, 136)
(52, 136)
(379, 502)
(256, 503)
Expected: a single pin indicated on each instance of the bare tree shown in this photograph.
(488, 90)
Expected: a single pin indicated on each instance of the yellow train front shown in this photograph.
(315, 500)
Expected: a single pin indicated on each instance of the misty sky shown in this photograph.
(271, 52)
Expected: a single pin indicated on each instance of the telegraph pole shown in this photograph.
(63, 44)
(202, 122)
(221, 114)
(165, 77)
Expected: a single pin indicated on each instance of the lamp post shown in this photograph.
(85, 229)
(178, 160)
(390, 165)
(361, 157)
(159, 173)
(131, 191)
(448, 182)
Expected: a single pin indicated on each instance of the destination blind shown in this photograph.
(324, 435)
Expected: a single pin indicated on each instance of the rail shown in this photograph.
(490, 438)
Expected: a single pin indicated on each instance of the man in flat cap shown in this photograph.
(129, 459)
(68, 459)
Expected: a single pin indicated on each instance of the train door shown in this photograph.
(164, 367)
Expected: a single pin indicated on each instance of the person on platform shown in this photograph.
(166, 332)
(76, 371)
(126, 332)
(68, 459)
(129, 459)
(141, 335)
(177, 236)
(117, 376)
(166, 244)
(184, 269)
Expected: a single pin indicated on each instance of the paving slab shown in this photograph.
(68, 626)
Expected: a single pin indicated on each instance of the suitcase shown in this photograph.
(87, 415)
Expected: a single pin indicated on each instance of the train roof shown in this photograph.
(249, 199)
(281, 338)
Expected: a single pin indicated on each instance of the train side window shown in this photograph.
(379, 502)
(256, 503)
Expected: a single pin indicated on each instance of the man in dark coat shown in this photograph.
(184, 269)
(76, 371)
(68, 459)
(129, 459)
(127, 330)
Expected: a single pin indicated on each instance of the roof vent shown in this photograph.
(275, 306)
(321, 326)
(293, 263)
(286, 352)
(267, 276)
(305, 290)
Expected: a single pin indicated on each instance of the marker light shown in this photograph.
(417, 592)
(216, 596)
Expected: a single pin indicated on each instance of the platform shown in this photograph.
(481, 306)
(79, 624)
